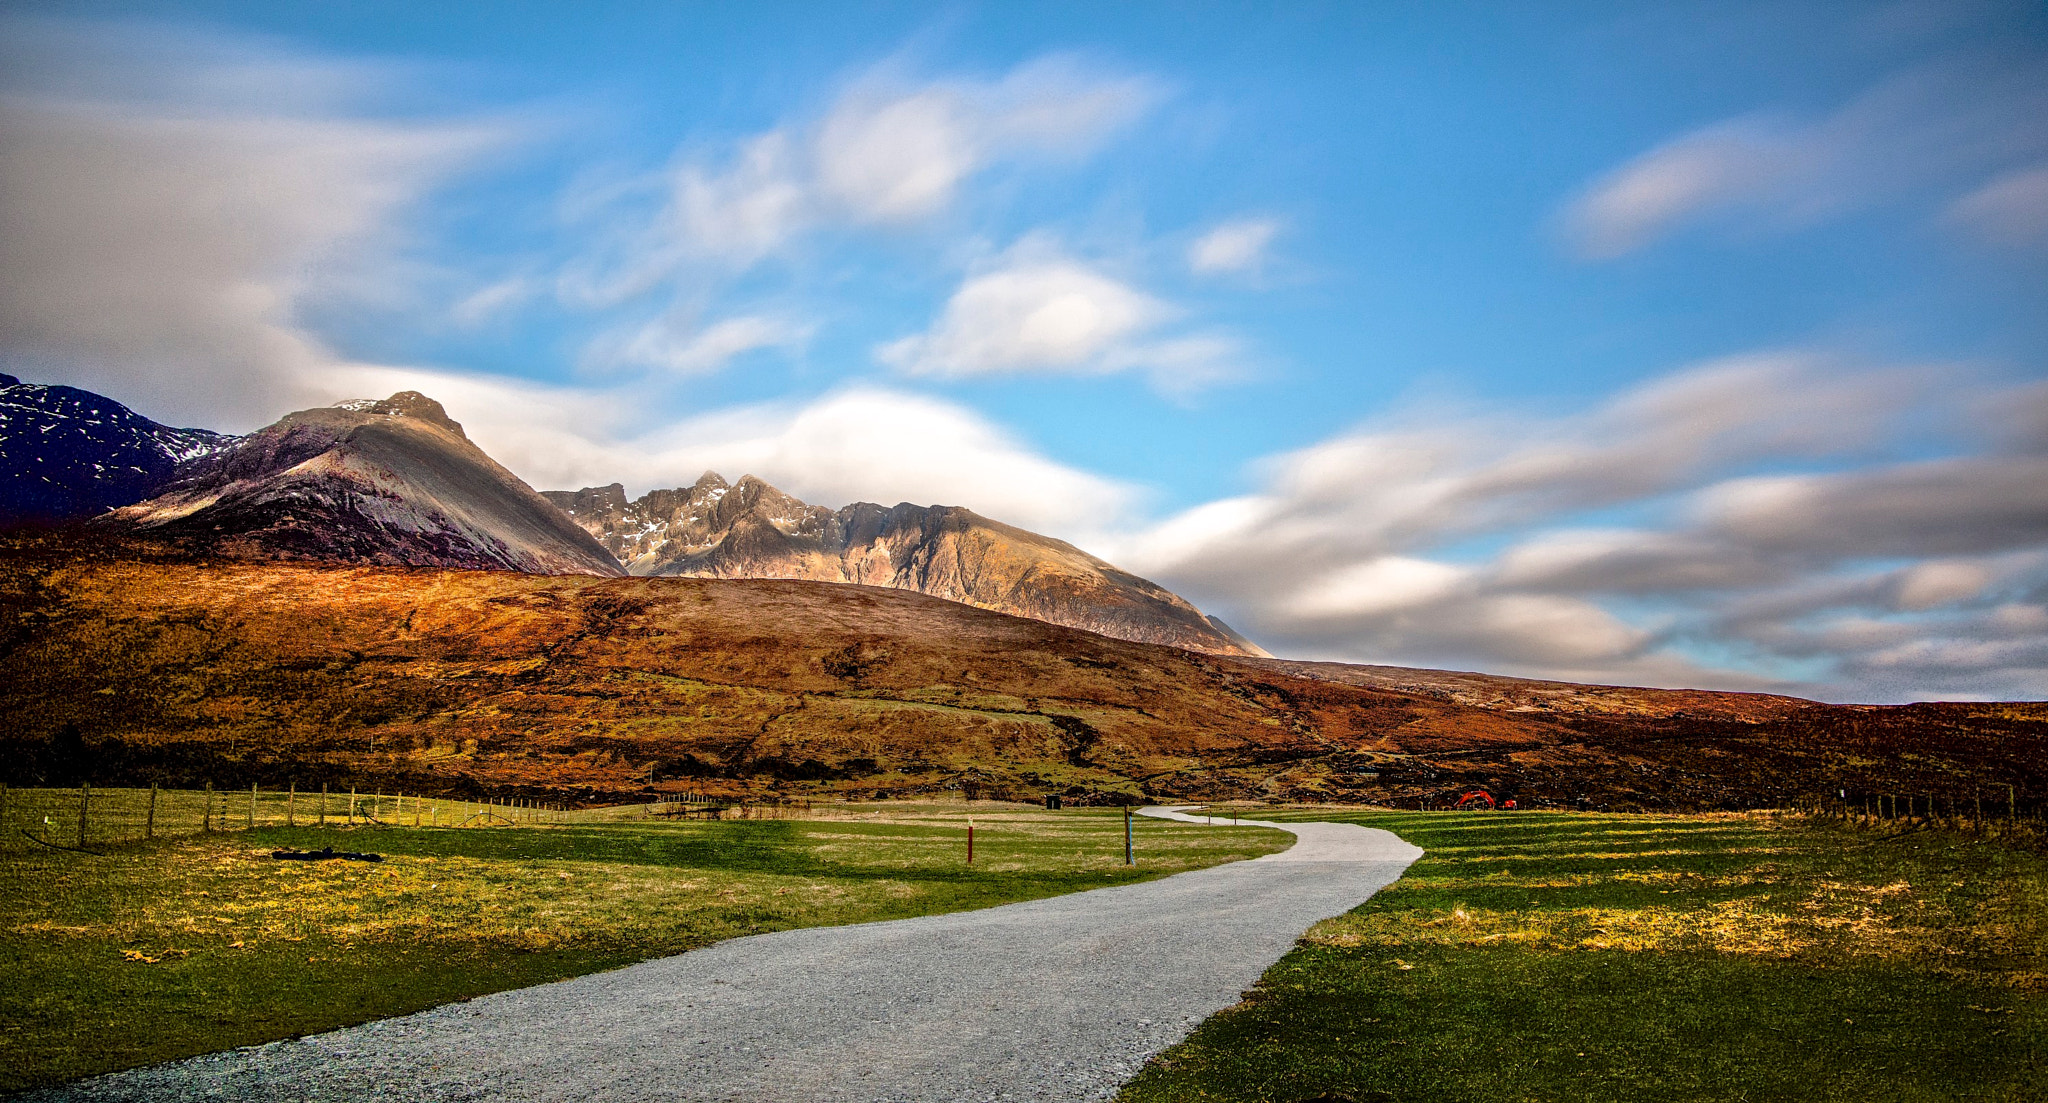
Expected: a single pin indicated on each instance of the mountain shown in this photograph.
(67, 454)
(391, 482)
(186, 670)
(749, 529)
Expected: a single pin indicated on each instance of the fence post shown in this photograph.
(351, 804)
(149, 823)
(1127, 836)
(84, 807)
(251, 824)
(323, 805)
(207, 823)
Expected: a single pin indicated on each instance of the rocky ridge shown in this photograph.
(67, 454)
(749, 529)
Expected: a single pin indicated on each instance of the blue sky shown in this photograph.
(1671, 344)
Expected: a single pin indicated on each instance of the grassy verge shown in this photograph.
(188, 946)
(1533, 956)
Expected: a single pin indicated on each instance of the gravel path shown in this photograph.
(1058, 999)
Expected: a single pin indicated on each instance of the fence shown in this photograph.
(86, 817)
(2003, 807)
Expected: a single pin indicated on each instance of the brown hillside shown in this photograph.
(135, 666)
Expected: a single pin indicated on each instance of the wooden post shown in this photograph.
(323, 804)
(970, 842)
(252, 806)
(149, 823)
(206, 824)
(1128, 860)
(351, 804)
(291, 801)
(1980, 809)
(84, 809)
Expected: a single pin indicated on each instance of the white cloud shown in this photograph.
(2012, 208)
(1359, 547)
(1376, 586)
(1930, 131)
(898, 159)
(888, 152)
(1035, 313)
(1235, 246)
(160, 249)
(675, 348)
(492, 299)
(1039, 311)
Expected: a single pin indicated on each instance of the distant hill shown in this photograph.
(67, 454)
(1528, 695)
(392, 482)
(749, 529)
(186, 669)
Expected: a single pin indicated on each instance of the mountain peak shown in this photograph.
(410, 404)
(750, 529)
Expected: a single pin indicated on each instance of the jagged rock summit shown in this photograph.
(392, 481)
(749, 529)
(66, 454)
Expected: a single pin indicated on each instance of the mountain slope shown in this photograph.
(191, 670)
(1528, 695)
(749, 529)
(67, 453)
(391, 482)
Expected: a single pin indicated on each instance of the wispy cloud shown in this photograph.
(891, 151)
(1236, 246)
(674, 346)
(1037, 310)
(161, 229)
(1964, 135)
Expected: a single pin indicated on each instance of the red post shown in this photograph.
(970, 844)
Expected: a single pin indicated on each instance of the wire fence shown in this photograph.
(88, 817)
(2002, 809)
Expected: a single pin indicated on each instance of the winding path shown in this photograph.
(1056, 999)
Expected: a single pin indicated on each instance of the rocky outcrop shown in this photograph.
(749, 529)
(67, 454)
(393, 482)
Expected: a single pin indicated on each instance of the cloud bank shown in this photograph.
(1638, 542)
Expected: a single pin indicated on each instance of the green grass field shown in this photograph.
(1533, 956)
(178, 947)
